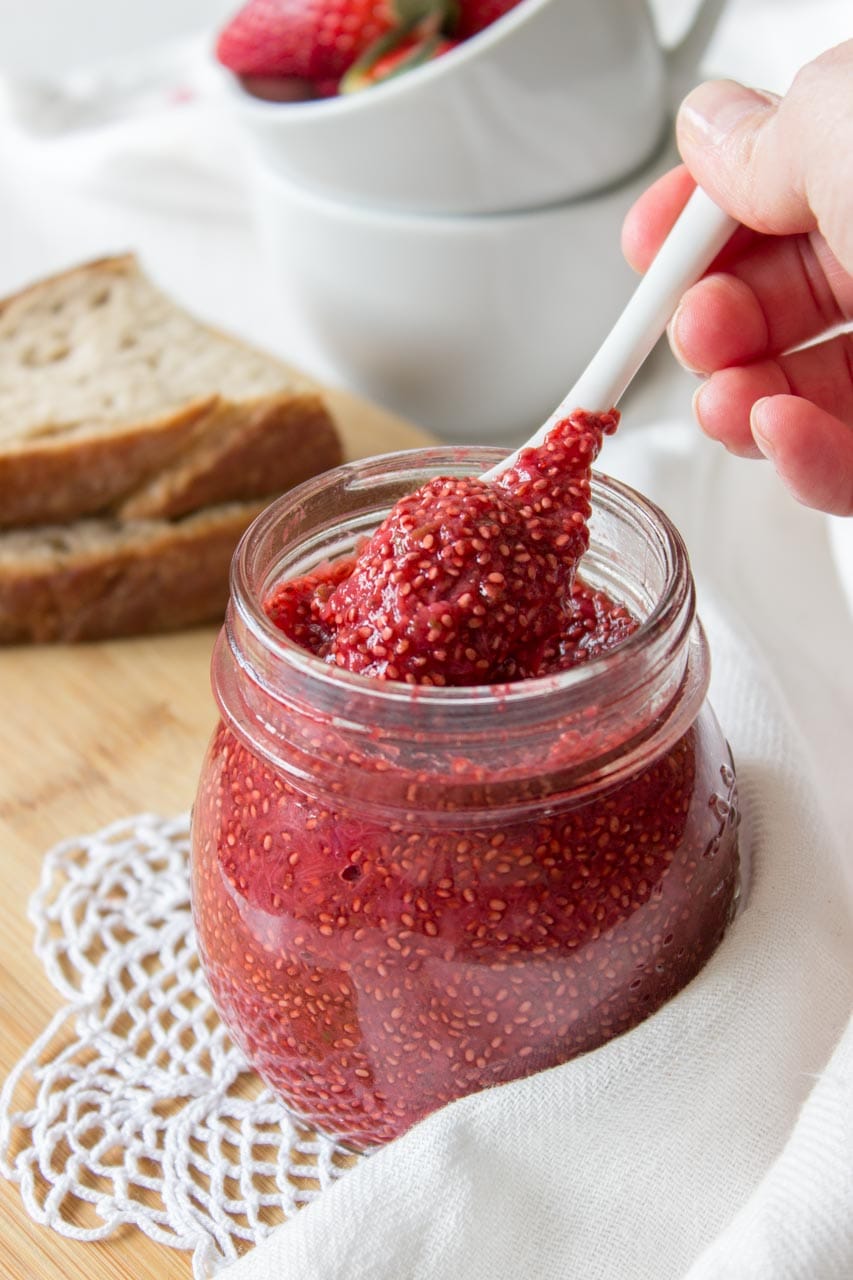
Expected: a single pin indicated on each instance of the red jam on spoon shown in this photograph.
(466, 581)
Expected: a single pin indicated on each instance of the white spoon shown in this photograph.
(691, 246)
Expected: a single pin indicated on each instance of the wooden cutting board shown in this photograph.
(91, 734)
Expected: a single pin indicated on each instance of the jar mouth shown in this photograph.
(575, 730)
(252, 577)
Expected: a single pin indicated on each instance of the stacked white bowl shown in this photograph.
(451, 236)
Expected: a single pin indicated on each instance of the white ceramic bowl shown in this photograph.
(473, 327)
(556, 99)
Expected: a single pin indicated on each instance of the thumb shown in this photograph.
(779, 165)
(728, 136)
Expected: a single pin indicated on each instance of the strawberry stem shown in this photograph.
(369, 69)
(412, 12)
(418, 37)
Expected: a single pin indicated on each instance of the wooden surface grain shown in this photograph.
(93, 733)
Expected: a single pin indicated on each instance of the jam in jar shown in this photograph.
(404, 893)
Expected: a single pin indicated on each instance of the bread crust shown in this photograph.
(74, 474)
(233, 453)
(109, 265)
(99, 579)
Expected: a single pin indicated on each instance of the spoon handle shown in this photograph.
(691, 246)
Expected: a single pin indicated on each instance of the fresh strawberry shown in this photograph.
(474, 15)
(314, 40)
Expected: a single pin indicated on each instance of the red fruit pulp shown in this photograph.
(466, 581)
(376, 960)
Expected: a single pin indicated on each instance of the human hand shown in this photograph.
(784, 168)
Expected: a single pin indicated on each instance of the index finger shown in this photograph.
(651, 217)
(766, 293)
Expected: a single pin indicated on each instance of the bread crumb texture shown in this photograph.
(136, 445)
(100, 346)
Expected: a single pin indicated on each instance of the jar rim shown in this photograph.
(676, 598)
(576, 731)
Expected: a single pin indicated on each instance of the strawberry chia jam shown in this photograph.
(449, 875)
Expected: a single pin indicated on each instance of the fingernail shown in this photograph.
(756, 414)
(698, 396)
(672, 333)
(711, 111)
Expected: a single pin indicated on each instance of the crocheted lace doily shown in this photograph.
(133, 1106)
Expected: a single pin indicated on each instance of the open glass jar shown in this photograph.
(406, 894)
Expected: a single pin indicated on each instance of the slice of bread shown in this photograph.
(113, 398)
(109, 577)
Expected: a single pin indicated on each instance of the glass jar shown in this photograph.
(405, 894)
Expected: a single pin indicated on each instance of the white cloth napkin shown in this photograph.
(713, 1142)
